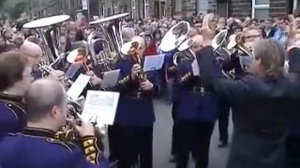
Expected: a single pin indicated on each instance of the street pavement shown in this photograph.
(162, 140)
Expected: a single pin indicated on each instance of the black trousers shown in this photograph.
(135, 146)
(194, 136)
(113, 142)
(224, 111)
(174, 144)
(293, 152)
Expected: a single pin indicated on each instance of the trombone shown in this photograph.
(238, 43)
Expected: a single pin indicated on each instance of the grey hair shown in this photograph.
(272, 56)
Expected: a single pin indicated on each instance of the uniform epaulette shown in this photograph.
(69, 146)
(124, 80)
(91, 149)
(17, 110)
(185, 77)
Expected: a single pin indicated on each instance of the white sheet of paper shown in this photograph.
(78, 86)
(195, 68)
(153, 62)
(110, 78)
(100, 106)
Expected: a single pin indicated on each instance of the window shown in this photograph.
(260, 9)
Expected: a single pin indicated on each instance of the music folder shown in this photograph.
(110, 79)
(153, 62)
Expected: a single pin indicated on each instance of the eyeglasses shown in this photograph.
(252, 37)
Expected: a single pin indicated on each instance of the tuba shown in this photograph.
(105, 43)
(48, 31)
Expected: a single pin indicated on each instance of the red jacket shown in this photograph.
(151, 49)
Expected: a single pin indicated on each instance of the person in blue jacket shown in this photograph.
(135, 113)
(15, 75)
(37, 146)
(196, 110)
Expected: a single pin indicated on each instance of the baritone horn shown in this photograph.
(219, 44)
(175, 36)
(184, 52)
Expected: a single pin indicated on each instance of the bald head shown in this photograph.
(198, 43)
(31, 49)
(42, 96)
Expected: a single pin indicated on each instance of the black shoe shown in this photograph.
(172, 159)
(223, 145)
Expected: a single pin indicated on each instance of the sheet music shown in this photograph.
(153, 62)
(101, 106)
(195, 68)
(110, 78)
(78, 86)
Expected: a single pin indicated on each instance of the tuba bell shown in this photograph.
(184, 52)
(175, 36)
(105, 43)
(48, 31)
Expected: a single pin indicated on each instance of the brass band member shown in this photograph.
(15, 75)
(34, 54)
(135, 113)
(37, 147)
(196, 110)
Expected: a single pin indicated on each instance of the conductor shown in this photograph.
(261, 101)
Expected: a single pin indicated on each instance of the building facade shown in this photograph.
(259, 9)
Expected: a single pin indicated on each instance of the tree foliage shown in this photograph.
(2, 3)
(20, 8)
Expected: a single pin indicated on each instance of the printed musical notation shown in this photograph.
(101, 105)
